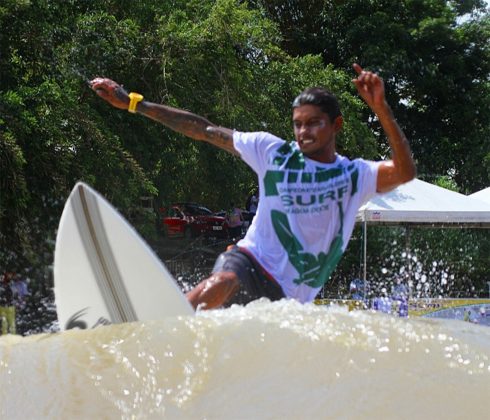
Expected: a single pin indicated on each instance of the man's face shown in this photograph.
(315, 133)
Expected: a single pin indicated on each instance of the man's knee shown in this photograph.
(229, 278)
(214, 291)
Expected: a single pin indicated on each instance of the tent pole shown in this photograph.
(408, 249)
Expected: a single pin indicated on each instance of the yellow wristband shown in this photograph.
(134, 98)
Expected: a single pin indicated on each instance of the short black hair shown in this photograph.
(320, 97)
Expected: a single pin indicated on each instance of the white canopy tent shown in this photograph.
(418, 203)
(483, 195)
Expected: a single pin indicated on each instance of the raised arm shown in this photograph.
(183, 122)
(401, 167)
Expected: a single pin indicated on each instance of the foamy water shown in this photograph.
(265, 361)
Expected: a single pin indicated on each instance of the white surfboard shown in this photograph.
(104, 272)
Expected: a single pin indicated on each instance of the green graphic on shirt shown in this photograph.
(274, 177)
(354, 176)
(301, 192)
(313, 270)
(294, 158)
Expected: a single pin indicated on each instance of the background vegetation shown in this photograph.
(237, 63)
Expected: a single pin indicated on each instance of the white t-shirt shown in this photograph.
(306, 211)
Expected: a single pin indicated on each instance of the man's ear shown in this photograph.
(337, 124)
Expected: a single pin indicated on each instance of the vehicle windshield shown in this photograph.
(197, 211)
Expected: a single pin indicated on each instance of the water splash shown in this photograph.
(265, 360)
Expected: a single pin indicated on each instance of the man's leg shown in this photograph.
(214, 291)
(236, 278)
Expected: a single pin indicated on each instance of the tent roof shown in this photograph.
(483, 195)
(418, 202)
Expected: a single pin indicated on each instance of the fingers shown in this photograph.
(96, 83)
(365, 78)
(357, 68)
(105, 88)
(101, 84)
(102, 93)
(110, 91)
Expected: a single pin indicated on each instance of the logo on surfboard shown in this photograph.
(75, 321)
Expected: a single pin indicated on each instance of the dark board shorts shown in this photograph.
(255, 282)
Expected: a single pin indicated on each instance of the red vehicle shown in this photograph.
(190, 220)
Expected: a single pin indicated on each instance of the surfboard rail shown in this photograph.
(104, 272)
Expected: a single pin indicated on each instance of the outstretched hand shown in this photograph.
(370, 87)
(110, 91)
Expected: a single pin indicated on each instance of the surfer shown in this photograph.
(309, 194)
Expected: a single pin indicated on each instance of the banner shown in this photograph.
(476, 311)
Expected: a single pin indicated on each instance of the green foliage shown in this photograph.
(221, 59)
(49, 138)
(434, 56)
(446, 182)
(239, 64)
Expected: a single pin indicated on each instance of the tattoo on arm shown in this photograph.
(221, 137)
(189, 124)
